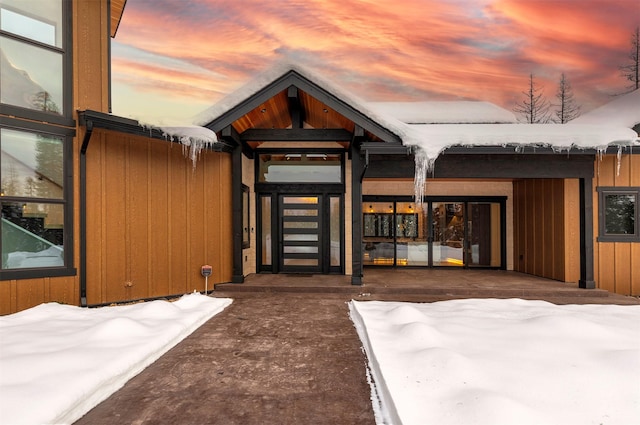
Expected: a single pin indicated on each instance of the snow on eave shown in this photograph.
(193, 138)
(445, 112)
(432, 140)
(623, 111)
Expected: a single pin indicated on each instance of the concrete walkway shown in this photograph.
(266, 359)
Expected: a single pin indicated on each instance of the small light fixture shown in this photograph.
(263, 110)
(325, 110)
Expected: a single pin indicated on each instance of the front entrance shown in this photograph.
(300, 207)
(440, 233)
(301, 232)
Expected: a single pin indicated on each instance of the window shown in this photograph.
(33, 200)
(33, 60)
(297, 167)
(36, 130)
(618, 214)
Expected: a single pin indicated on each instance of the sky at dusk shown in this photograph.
(174, 58)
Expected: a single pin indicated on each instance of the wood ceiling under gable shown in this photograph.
(117, 8)
(276, 113)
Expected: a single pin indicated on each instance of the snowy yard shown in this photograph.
(452, 362)
(502, 362)
(59, 361)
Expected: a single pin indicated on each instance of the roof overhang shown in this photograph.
(130, 126)
(117, 9)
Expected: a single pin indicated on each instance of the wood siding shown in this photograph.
(153, 220)
(616, 264)
(545, 239)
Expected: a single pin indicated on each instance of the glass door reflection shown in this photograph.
(448, 233)
(378, 234)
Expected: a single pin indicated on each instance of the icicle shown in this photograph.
(618, 160)
(423, 165)
(600, 156)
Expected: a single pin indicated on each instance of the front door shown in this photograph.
(301, 235)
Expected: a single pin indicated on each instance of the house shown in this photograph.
(292, 174)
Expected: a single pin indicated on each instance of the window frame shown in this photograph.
(246, 217)
(66, 118)
(66, 135)
(603, 192)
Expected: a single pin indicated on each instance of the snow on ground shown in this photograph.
(496, 362)
(452, 362)
(59, 361)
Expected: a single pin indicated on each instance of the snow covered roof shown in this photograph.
(623, 111)
(441, 112)
(431, 131)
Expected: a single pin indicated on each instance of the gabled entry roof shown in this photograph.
(289, 97)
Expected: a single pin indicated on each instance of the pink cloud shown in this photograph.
(410, 49)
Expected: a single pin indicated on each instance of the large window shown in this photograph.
(32, 200)
(34, 63)
(618, 214)
(36, 130)
(33, 188)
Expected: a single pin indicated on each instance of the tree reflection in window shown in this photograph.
(618, 214)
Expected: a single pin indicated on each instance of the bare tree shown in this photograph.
(630, 70)
(535, 107)
(568, 109)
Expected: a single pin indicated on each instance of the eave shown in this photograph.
(117, 9)
(130, 126)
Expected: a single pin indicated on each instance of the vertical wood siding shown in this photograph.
(544, 228)
(616, 264)
(153, 220)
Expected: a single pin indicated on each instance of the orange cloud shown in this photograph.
(403, 49)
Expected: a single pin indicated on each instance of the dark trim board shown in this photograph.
(486, 166)
(296, 135)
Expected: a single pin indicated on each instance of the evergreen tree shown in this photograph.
(534, 108)
(567, 107)
(630, 70)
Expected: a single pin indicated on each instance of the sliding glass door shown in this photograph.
(440, 233)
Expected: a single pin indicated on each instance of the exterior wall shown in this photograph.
(546, 231)
(249, 254)
(90, 91)
(616, 264)
(436, 187)
(153, 219)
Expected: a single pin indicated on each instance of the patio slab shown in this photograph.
(430, 285)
